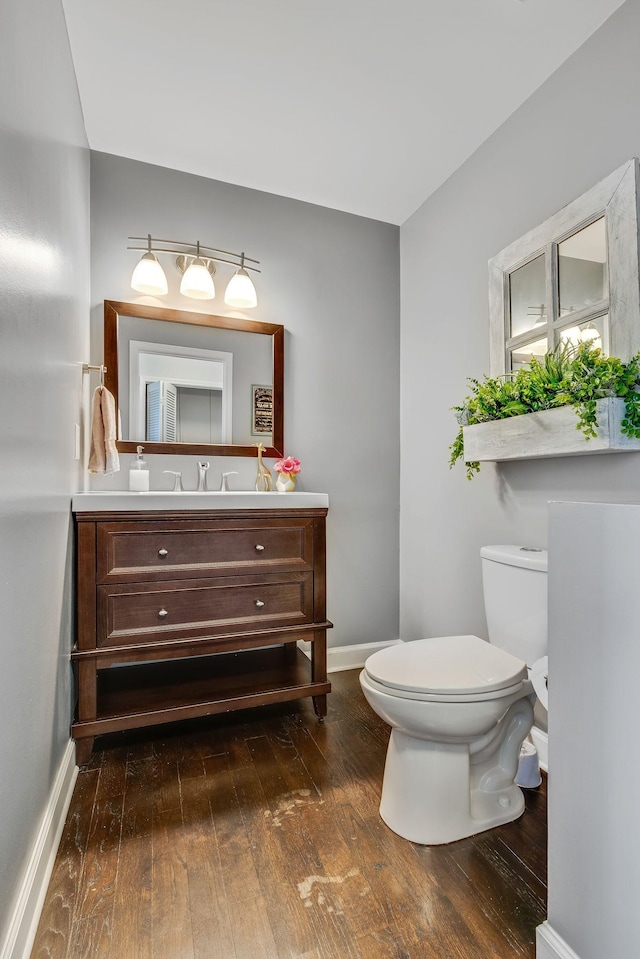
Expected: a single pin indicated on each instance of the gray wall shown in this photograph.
(44, 337)
(332, 280)
(585, 120)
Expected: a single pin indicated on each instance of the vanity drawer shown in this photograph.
(151, 612)
(158, 550)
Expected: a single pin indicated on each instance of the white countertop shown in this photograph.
(114, 500)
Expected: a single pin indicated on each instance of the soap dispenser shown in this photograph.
(139, 473)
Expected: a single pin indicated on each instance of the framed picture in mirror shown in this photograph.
(262, 410)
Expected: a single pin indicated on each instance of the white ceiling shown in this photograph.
(360, 105)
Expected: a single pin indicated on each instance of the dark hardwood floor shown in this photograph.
(257, 836)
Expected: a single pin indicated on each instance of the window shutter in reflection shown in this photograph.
(161, 412)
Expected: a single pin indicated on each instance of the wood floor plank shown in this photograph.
(131, 920)
(342, 885)
(384, 943)
(137, 812)
(281, 852)
(53, 936)
(289, 761)
(170, 901)
(163, 784)
(210, 918)
(416, 898)
(93, 918)
(252, 935)
(236, 861)
(509, 909)
(527, 836)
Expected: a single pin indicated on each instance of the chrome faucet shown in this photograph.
(177, 481)
(202, 478)
(224, 483)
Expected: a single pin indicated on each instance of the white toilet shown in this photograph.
(460, 707)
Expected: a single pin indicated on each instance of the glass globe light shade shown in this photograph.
(148, 276)
(590, 335)
(197, 282)
(571, 336)
(240, 291)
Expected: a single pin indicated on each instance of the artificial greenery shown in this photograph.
(567, 376)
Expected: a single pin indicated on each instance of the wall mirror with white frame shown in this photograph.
(573, 278)
(194, 383)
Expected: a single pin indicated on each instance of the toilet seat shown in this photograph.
(446, 669)
(418, 696)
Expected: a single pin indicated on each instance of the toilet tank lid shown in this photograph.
(528, 557)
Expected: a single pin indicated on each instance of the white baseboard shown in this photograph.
(541, 742)
(348, 657)
(549, 945)
(23, 923)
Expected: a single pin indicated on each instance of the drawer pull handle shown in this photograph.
(259, 603)
(259, 548)
(163, 552)
(162, 612)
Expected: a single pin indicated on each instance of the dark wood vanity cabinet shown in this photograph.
(188, 614)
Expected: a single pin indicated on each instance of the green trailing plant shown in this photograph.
(566, 376)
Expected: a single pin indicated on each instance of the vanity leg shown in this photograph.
(87, 690)
(320, 707)
(319, 671)
(87, 707)
(84, 748)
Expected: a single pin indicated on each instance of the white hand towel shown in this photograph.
(103, 455)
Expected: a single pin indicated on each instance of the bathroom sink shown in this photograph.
(164, 500)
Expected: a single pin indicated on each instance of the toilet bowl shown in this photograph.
(459, 709)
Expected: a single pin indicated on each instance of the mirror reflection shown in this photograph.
(582, 268)
(522, 355)
(178, 394)
(590, 331)
(527, 297)
(191, 381)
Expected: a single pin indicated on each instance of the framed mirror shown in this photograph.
(573, 278)
(194, 383)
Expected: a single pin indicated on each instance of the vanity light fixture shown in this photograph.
(575, 335)
(197, 281)
(148, 276)
(240, 290)
(197, 264)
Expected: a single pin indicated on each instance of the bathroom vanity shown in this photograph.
(193, 604)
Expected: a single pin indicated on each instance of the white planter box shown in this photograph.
(548, 433)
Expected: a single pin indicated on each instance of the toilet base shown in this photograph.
(426, 794)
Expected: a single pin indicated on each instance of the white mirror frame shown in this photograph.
(615, 198)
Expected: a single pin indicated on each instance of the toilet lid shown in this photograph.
(446, 665)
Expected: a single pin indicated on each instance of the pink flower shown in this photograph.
(288, 465)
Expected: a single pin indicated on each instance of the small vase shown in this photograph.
(286, 482)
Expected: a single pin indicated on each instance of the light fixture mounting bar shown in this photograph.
(191, 249)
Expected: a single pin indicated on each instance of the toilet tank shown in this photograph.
(514, 580)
